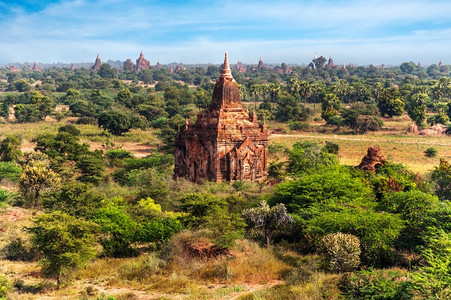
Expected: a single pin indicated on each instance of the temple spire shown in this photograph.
(226, 71)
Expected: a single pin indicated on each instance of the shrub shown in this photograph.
(66, 242)
(4, 196)
(118, 228)
(431, 152)
(332, 147)
(376, 285)
(308, 157)
(341, 252)
(5, 286)
(86, 121)
(141, 267)
(9, 171)
(299, 126)
(441, 175)
(71, 129)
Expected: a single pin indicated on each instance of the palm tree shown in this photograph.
(255, 90)
(293, 87)
(274, 89)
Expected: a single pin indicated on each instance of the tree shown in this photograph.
(118, 122)
(330, 106)
(92, 167)
(128, 65)
(416, 107)
(106, 71)
(341, 252)
(408, 67)
(441, 175)
(308, 157)
(118, 228)
(36, 178)
(10, 148)
(391, 104)
(125, 97)
(287, 108)
(267, 218)
(74, 198)
(66, 242)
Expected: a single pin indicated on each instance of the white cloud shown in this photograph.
(291, 31)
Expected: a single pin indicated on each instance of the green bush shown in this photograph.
(9, 171)
(119, 230)
(5, 286)
(299, 126)
(441, 175)
(4, 196)
(332, 147)
(341, 252)
(308, 157)
(376, 285)
(66, 242)
(431, 152)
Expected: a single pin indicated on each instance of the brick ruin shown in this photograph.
(97, 64)
(225, 143)
(142, 63)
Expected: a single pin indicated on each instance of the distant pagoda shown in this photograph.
(97, 64)
(142, 63)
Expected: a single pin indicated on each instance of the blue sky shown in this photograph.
(189, 31)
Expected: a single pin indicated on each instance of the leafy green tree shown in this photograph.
(106, 71)
(25, 113)
(10, 148)
(408, 67)
(9, 171)
(365, 123)
(391, 104)
(117, 122)
(204, 210)
(125, 97)
(441, 175)
(128, 65)
(330, 106)
(155, 225)
(74, 198)
(287, 108)
(91, 166)
(67, 243)
(70, 128)
(336, 201)
(416, 108)
(100, 99)
(119, 230)
(61, 147)
(83, 108)
(266, 217)
(20, 85)
(308, 157)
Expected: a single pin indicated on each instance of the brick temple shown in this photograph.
(225, 143)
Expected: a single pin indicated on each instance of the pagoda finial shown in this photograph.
(226, 71)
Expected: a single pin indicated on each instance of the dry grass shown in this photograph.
(405, 149)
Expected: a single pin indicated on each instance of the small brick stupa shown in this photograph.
(142, 63)
(97, 64)
(225, 143)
